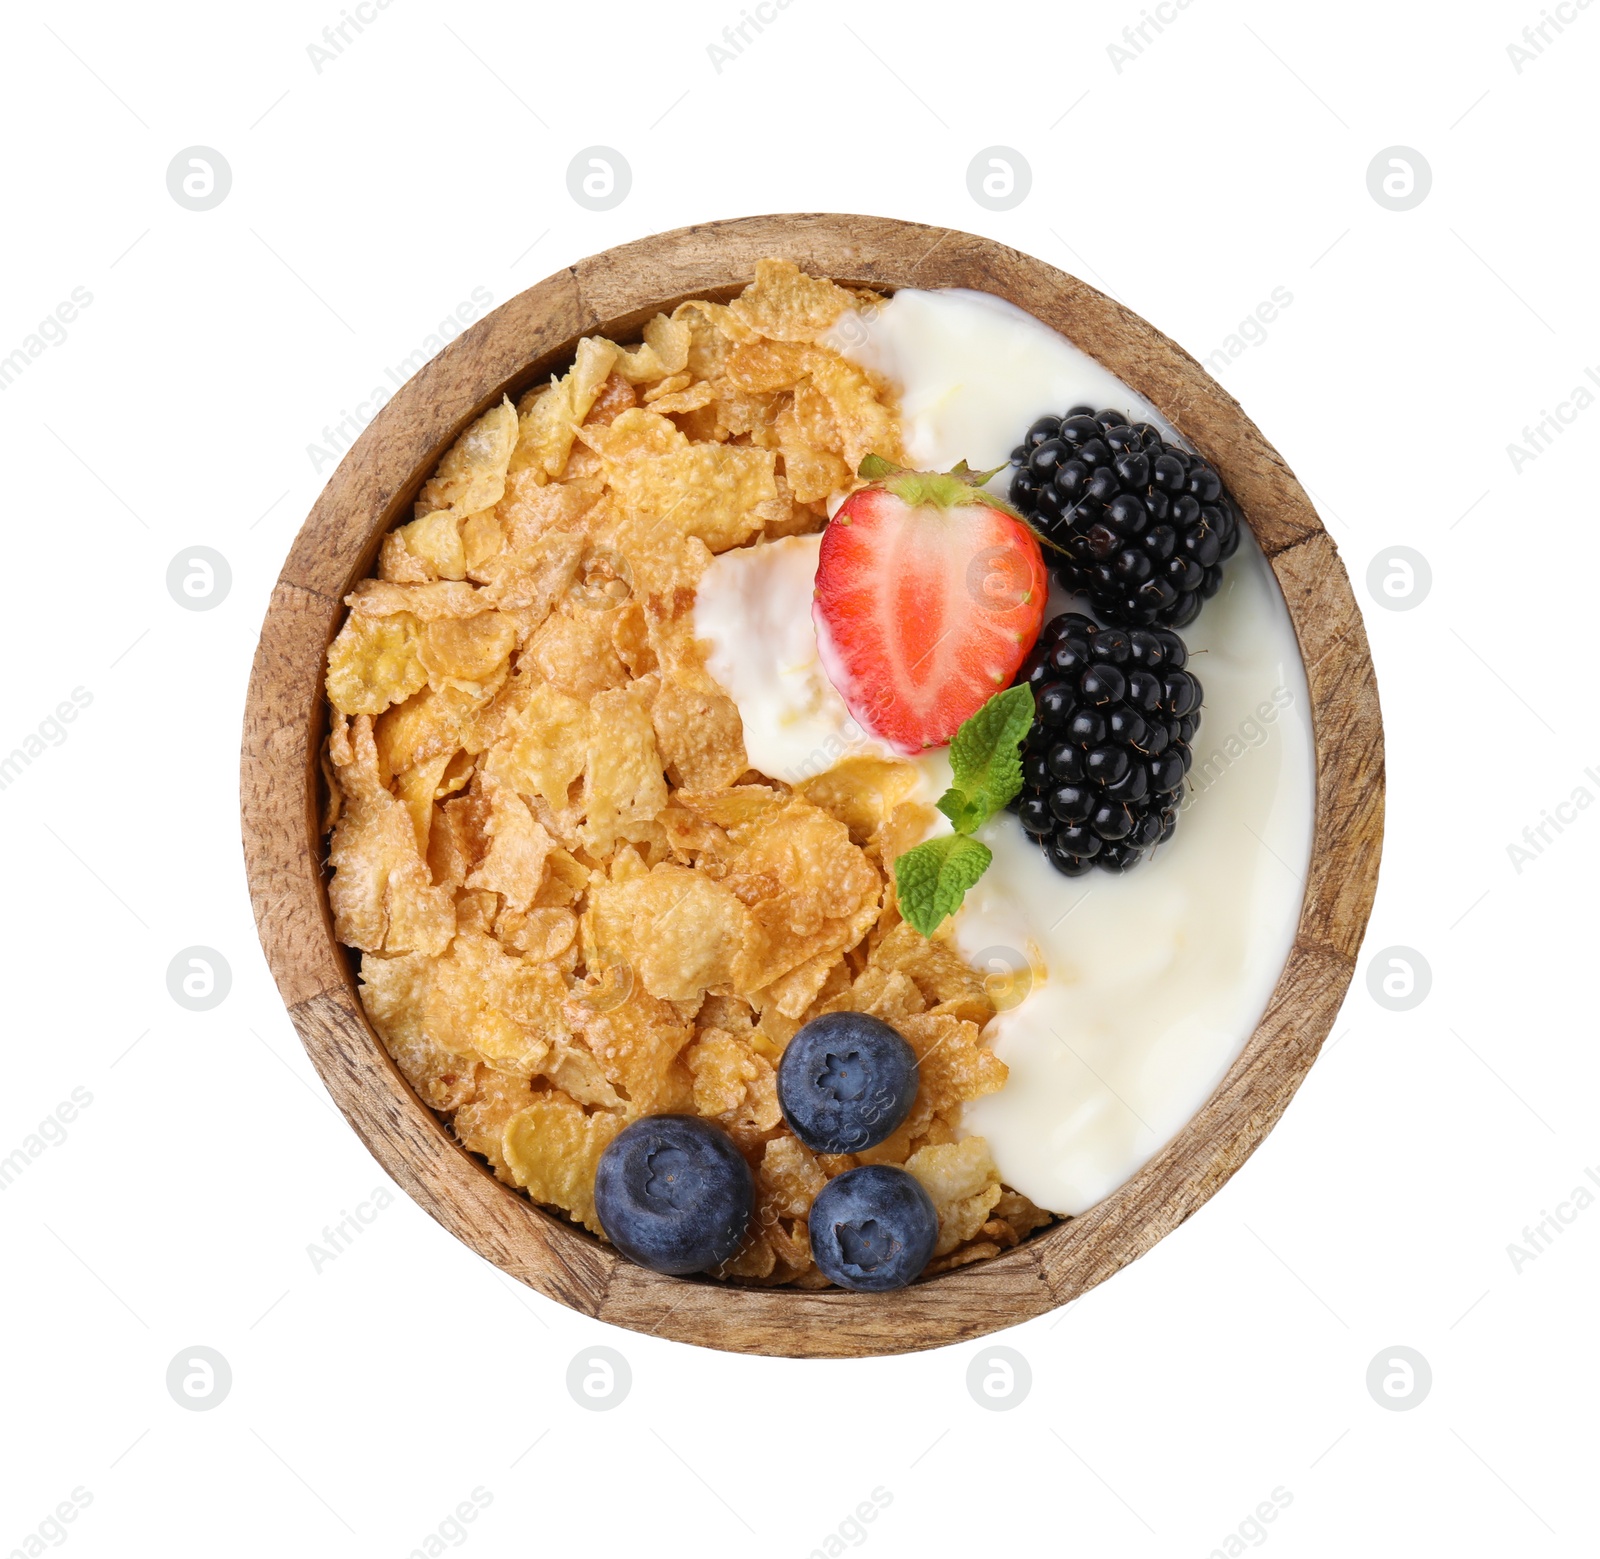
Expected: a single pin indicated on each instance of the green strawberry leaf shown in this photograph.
(874, 468)
(937, 489)
(932, 878)
(985, 758)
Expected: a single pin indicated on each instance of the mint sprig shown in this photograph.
(986, 772)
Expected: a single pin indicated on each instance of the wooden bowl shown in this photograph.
(286, 719)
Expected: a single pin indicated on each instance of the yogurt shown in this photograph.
(753, 608)
(1124, 998)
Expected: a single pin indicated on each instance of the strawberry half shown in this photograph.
(929, 594)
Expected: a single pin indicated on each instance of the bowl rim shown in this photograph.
(285, 720)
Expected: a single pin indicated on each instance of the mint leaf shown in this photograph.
(966, 815)
(932, 878)
(985, 760)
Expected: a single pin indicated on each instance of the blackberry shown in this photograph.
(1143, 526)
(1103, 764)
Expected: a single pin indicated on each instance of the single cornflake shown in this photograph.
(865, 424)
(714, 330)
(616, 396)
(789, 1177)
(533, 508)
(663, 353)
(398, 565)
(513, 866)
(699, 734)
(813, 474)
(734, 1084)
(552, 1149)
(548, 416)
(434, 543)
(952, 1062)
(545, 747)
(760, 368)
(964, 1184)
(1019, 1216)
(375, 662)
(417, 788)
(426, 725)
(678, 930)
(946, 981)
(394, 987)
(470, 654)
(381, 894)
(545, 933)
(623, 784)
(690, 398)
(784, 304)
(472, 475)
(573, 651)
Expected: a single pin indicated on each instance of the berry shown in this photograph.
(1104, 762)
(929, 592)
(846, 1081)
(1143, 526)
(674, 1194)
(873, 1228)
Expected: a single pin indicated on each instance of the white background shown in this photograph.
(370, 1397)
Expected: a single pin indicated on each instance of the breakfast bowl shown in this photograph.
(290, 792)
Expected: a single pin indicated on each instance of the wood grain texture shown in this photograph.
(286, 719)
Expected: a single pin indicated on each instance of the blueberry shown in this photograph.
(846, 1081)
(872, 1228)
(674, 1194)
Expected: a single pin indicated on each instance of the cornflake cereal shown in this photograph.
(576, 903)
